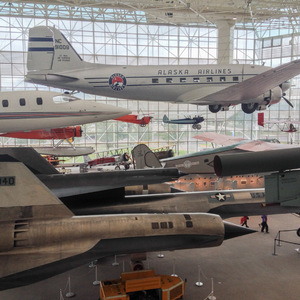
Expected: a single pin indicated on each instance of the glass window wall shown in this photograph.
(105, 39)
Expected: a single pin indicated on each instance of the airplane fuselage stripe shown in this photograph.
(46, 49)
(40, 39)
(175, 76)
(163, 84)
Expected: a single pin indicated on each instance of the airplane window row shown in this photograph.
(22, 102)
(197, 79)
(162, 225)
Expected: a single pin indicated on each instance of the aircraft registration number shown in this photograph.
(7, 180)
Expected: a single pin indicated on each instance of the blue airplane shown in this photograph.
(188, 120)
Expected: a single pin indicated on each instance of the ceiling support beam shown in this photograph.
(225, 41)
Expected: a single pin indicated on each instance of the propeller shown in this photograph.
(288, 102)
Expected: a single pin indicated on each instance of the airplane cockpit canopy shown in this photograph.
(64, 98)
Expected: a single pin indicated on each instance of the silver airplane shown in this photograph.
(201, 162)
(32, 110)
(41, 237)
(52, 61)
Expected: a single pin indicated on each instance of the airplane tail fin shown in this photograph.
(165, 119)
(144, 157)
(24, 196)
(29, 157)
(260, 119)
(48, 49)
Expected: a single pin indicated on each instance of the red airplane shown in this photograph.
(56, 134)
(135, 119)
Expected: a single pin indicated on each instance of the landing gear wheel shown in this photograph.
(196, 126)
(214, 108)
(249, 108)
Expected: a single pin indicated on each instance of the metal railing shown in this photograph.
(279, 240)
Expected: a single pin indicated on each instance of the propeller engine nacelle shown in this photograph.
(273, 96)
(285, 85)
(260, 103)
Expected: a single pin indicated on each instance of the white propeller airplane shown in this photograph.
(52, 61)
(32, 110)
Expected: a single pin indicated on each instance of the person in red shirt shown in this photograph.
(244, 220)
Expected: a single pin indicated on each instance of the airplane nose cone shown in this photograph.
(125, 111)
(233, 230)
(115, 111)
(120, 112)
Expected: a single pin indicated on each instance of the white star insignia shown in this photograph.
(221, 197)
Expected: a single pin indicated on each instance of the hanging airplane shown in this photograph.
(35, 110)
(188, 120)
(284, 125)
(201, 162)
(44, 134)
(52, 61)
(62, 134)
(135, 119)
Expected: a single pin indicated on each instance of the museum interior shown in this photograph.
(171, 35)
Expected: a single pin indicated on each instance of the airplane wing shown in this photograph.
(245, 90)
(255, 146)
(217, 138)
(68, 185)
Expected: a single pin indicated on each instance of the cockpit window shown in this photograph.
(64, 98)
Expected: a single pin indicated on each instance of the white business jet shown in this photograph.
(33, 110)
(52, 61)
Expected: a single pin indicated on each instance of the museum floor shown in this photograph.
(242, 268)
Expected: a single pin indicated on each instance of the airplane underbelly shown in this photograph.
(15, 125)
